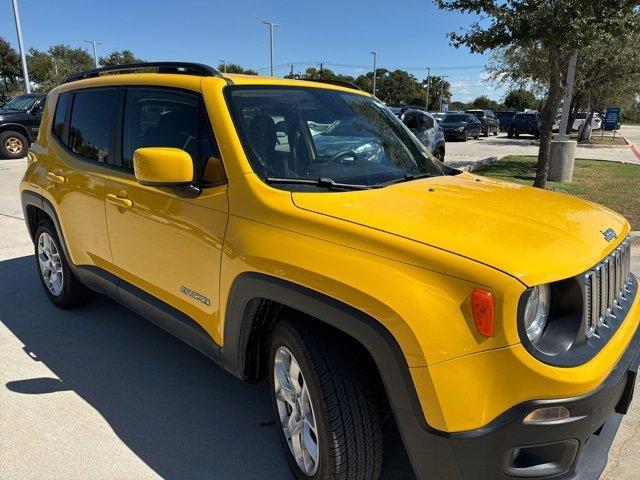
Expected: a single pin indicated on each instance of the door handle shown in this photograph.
(56, 177)
(119, 201)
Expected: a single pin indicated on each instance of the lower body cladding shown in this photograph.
(575, 447)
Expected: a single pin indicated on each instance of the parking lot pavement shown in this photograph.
(501, 146)
(98, 392)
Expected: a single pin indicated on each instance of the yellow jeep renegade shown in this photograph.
(297, 231)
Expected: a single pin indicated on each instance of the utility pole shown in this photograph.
(291, 72)
(271, 25)
(320, 71)
(566, 103)
(224, 65)
(442, 89)
(428, 84)
(25, 73)
(375, 58)
(95, 54)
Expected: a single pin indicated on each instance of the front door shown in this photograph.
(163, 241)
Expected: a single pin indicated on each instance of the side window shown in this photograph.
(90, 124)
(159, 118)
(59, 117)
(428, 122)
(411, 120)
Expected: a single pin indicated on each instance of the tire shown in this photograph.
(486, 132)
(61, 285)
(439, 154)
(477, 135)
(13, 145)
(497, 130)
(342, 404)
(510, 134)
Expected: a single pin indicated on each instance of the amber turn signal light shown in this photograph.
(483, 311)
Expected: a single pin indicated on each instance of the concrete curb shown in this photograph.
(472, 167)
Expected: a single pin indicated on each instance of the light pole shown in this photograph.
(442, 89)
(224, 65)
(271, 25)
(95, 54)
(375, 58)
(25, 73)
(428, 84)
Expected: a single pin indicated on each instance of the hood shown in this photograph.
(535, 235)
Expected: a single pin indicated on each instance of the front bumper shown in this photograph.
(507, 449)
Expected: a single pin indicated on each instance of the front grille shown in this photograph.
(606, 286)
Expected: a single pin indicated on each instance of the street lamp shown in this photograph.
(428, 84)
(25, 73)
(375, 58)
(271, 25)
(442, 89)
(224, 65)
(95, 55)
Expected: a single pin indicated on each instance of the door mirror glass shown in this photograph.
(162, 166)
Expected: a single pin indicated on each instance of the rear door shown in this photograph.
(166, 242)
(79, 158)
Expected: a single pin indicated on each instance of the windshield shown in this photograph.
(454, 118)
(479, 114)
(313, 133)
(21, 102)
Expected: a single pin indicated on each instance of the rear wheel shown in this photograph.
(57, 279)
(510, 134)
(325, 404)
(477, 135)
(466, 135)
(13, 145)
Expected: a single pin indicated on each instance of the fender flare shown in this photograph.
(17, 127)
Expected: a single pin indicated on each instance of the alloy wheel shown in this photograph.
(13, 145)
(297, 417)
(50, 264)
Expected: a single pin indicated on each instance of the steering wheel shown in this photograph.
(344, 153)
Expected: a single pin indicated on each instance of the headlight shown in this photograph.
(460, 129)
(536, 312)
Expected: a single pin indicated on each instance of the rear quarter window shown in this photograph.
(59, 117)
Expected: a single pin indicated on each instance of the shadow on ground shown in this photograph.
(175, 409)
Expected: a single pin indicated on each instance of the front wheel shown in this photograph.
(326, 408)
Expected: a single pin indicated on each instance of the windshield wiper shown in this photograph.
(407, 178)
(320, 182)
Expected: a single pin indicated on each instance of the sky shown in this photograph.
(408, 34)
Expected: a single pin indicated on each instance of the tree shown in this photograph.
(117, 58)
(552, 31)
(49, 69)
(10, 69)
(235, 68)
(485, 103)
(520, 99)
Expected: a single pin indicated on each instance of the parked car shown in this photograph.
(488, 120)
(371, 286)
(527, 123)
(425, 127)
(461, 126)
(503, 119)
(581, 118)
(438, 115)
(19, 123)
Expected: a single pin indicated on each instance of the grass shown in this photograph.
(614, 185)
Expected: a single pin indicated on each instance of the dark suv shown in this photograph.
(528, 123)
(504, 118)
(19, 124)
(488, 120)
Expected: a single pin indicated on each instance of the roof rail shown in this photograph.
(338, 83)
(185, 68)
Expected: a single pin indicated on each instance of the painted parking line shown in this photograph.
(635, 151)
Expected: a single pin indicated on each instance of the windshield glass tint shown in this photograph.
(21, 102)
(454, 118)
(311, 133)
